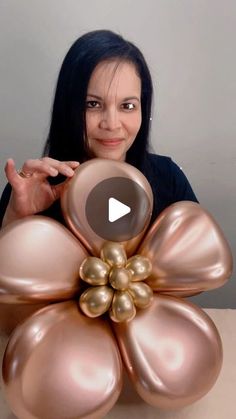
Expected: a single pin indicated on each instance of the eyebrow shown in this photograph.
(124, 99)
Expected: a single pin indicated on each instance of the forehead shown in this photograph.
(115, 78)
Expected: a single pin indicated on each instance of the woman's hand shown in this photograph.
(33, 193)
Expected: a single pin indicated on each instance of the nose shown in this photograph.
(110, 119)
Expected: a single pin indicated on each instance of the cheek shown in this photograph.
(91, 123)
(135, 124)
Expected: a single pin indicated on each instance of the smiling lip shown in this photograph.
(111, 142)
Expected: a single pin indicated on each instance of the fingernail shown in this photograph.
(54, 172)
(69, 171)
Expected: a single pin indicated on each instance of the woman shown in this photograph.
(102, 108)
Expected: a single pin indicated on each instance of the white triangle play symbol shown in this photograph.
(116, 209)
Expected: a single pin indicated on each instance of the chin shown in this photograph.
(110, 156)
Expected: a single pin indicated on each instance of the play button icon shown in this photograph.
(116, 210)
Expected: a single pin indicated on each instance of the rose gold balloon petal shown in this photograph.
(39, 261)
(91, 175)
(13, 314)
(188, 251)
(60, 364)
(172, 352)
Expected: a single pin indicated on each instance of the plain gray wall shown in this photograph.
(190, 48)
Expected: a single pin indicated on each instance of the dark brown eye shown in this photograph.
(92, 104)
(128, 106)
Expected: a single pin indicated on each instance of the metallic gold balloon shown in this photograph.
(39, 261)
(114, 254)
(95, 301)
(172, 352)
(188, 250)
(60, 364)
(76, 192)
(142, 294)
(122, 308)
(120, 278)
(140, 267)
(94, 271)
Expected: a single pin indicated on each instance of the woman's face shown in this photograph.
(113, 109)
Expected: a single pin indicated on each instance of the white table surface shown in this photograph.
(219, 403)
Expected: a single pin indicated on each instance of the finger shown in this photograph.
(72, 164)
(39, 167)
(58, 189)
(45, 166)
(64, 168)
(12, 174)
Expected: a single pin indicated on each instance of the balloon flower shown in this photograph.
(115, 296)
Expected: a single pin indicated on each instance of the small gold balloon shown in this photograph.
(96, 301)
(120, 278)
(142, 294)
(122, 308)
(124, 292)
(94, 271)
(114, 254)
(140, 267)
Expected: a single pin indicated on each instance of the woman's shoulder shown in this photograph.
(160, 164)
(168, 181)
(159, 159)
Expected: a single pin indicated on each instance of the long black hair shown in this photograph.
(67, 135)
